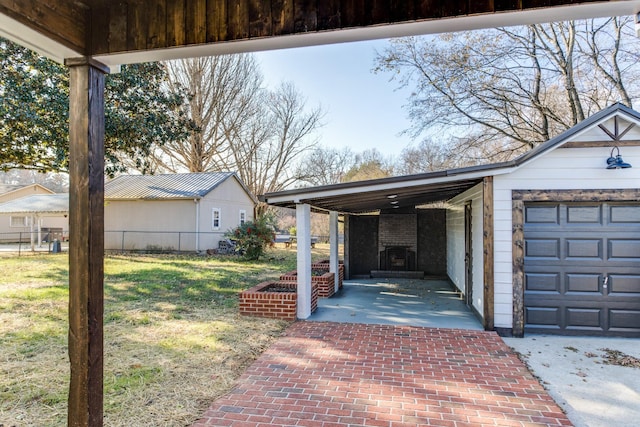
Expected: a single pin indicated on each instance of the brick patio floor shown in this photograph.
(335, 374)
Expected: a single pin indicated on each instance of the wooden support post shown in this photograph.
(488, 255)
(303, 234)
(518, 264)
(334, 266)
(86, 241)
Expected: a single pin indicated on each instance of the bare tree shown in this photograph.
(498, 93)
(265, 149)
(240, 125)
(428, 156)
(222, 94)
(324, 166)
(58, 182)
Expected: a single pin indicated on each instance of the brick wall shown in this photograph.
(280, 305)
(432, 242)
(325, 265)
(398, 230)
(361, 244)
(325, 283)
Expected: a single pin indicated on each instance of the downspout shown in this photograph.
(197, 202)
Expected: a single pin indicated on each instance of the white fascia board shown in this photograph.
(390, 187)
(29, 38)
(414, 28)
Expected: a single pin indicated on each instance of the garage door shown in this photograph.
(582, 268)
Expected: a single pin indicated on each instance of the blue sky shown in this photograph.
(363, 109)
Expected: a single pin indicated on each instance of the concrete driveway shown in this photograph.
(575, 373)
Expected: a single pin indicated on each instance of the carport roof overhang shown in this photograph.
(387, 193)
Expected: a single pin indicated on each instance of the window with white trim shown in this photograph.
(215, 219)
(243, 216)
(19, 221)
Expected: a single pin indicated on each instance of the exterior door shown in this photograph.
(468, 254)
(582, 268)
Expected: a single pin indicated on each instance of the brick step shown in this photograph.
(397, 274)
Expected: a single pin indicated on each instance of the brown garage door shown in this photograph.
(582, 268)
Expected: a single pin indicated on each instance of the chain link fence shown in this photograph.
(57, 240)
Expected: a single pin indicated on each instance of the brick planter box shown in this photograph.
(272, 299)
(324, 265)
(325, 282)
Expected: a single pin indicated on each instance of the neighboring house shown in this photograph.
(13, 224)
(548, 242)
(186, 212)
(36, 218)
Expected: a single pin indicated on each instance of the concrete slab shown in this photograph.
(592, 393)
(409, 302)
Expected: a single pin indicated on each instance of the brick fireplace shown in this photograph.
(397, 241)
(421, 232)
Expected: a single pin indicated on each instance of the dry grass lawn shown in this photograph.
(173, 338)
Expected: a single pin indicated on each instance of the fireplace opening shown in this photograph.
(397, 258)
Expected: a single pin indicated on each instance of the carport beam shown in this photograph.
(303, 226)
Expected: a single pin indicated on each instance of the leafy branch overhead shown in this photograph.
(34, 113)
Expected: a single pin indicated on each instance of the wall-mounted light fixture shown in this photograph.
(616, 162)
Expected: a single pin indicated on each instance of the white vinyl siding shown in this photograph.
(216, 220)
(561, 169)
(456, 244)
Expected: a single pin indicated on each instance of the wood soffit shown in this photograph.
(105, 27)
(388, 199)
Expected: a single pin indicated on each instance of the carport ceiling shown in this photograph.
(404, 198)
(374, 195)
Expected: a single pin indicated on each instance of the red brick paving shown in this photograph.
(323, 374)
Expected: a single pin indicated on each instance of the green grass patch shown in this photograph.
(173, 340)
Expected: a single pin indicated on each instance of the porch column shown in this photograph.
(39, 231)
(333, 248)
(32, 238)
(86, 241)
(303, 226)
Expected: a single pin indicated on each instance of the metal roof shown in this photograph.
(166, 186)
(413, 190)
(37, 204)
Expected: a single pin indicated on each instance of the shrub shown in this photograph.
(252, 237)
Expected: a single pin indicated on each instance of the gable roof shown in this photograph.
(615, 109)
(411, 190)
(10, 188)
(37, 204)
(167, 186)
